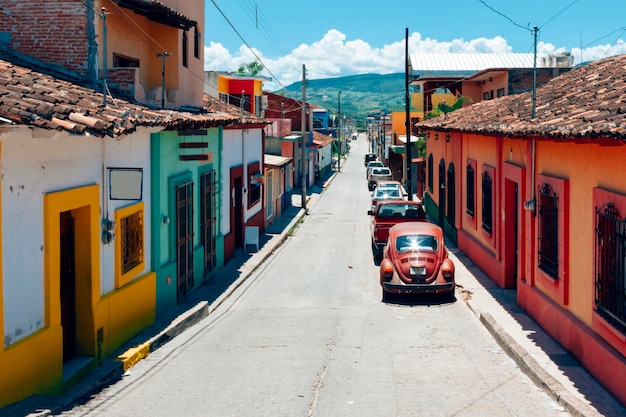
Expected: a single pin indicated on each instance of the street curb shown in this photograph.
(531, 367)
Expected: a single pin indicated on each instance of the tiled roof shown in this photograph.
(321, 139)
(158, 12)
(32, 98)
(587, 102)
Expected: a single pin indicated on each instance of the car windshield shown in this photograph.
(387, 193)
(408, 211)
(416, 243)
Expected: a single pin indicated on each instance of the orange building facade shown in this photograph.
(539, 205)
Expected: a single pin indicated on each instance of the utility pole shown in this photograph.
(407, 122)
(163, 56)
(535, 74)
(303, 170)
(339, 131)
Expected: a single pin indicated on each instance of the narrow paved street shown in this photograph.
(308, 335)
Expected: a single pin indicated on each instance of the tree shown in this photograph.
(443, 107)
(252, 68)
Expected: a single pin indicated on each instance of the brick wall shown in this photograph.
(123, 79)
(53, 31)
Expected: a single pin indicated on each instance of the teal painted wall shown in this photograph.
(167, 173)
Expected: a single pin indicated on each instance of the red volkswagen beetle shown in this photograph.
(415, 260)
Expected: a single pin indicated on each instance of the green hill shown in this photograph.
(360, 94)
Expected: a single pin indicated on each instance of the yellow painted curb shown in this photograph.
(133, 355)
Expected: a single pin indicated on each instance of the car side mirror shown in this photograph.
(370, 212)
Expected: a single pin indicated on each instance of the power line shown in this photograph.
(503, 15)
(558, 14)
(623, 29)
(246, 43)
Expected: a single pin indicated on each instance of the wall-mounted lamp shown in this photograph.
(165, 219)
(436, 136)
(448, 138)
(530, 205)
(490, 79)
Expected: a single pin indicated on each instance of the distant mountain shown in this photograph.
(360, 94)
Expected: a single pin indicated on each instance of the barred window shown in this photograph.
(451, 189)
(430, 172)
(471, 198)
(548, 231)
(197, 40)
(254, 184)
(487, 217)
(610, 264)
(185, 47)
(132, 241)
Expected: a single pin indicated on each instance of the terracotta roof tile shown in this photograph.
(321, 139)
(33, 98)
(586, 102)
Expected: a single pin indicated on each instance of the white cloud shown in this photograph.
(334, 56)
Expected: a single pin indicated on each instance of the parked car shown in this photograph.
(371, 165)
(378, 174)
(392, 184)
(382, 193)
(369, 157)
(415, 260)
(389, 213)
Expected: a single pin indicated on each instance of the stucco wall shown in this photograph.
(36, 162)
(241, 146)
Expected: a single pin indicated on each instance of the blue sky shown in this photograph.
(338, 38)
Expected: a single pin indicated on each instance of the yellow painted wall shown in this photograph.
(437, 98)
(125, 312)
(417, 102)
(258, 87)
(28, 369)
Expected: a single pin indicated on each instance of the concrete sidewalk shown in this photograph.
(547, 364)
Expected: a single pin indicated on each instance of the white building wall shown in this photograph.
(36, 162)
(241, 147)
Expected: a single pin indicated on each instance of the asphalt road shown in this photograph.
(308, 335)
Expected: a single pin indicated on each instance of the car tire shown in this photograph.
(378, 253)
(385, 296)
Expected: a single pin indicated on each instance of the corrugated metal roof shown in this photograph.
(462, 64)
(276, 160)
